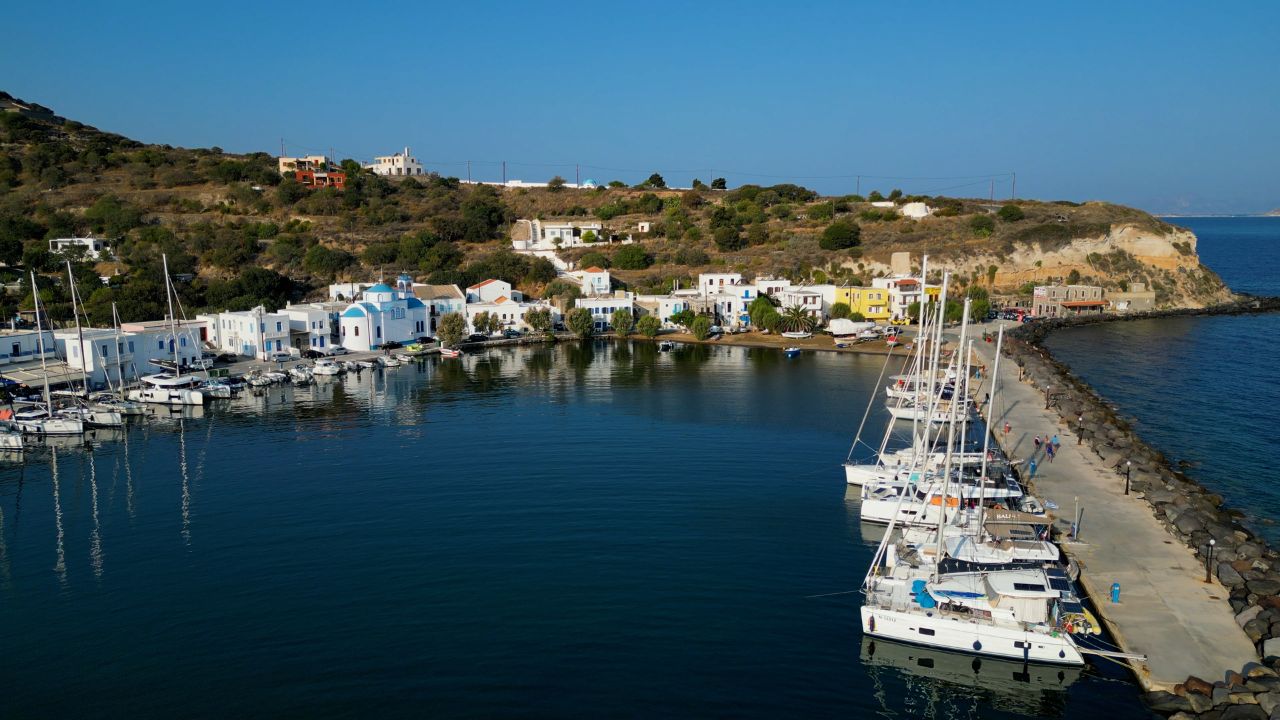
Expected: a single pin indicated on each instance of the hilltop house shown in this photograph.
(399, 164)
(383, 314)
(594, 280)
(312, 171)
(92, 248)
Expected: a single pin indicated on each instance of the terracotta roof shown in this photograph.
(908, 281)
(438, 292)
(500, 299)
(594, 269)
(482, 284)
(1083, 303)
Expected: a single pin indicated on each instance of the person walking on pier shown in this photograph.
(1056, 445)
(1048, 450)
(1006, 430)
(1031, 469)
(1037, 442)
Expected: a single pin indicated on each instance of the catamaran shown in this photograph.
(169, 388)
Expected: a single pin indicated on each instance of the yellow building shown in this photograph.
(871, 302)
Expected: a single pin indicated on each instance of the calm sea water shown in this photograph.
(1203, 390)
(590, 530)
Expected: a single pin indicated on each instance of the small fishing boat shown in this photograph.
(216, 389)
(326, 367)
(388, 361)
(791, 352)
(450, 352)
(367, 364)
(797, 335)
(405, 358)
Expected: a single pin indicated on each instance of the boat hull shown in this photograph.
(960, 634)
(162, 396)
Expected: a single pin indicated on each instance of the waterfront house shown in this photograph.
(162, 339)
(383, 314)
(399, 164)
(602, 308)
(1137, 298)
(1067, 300)
(490, 290)
(903, 291)
(808, 300)
(661, 307)
(440, 301)
(254, 333)
(709, 283)
(313, 326)
(870, 302)
(510, 313)
(91, 248)
(771, 286)
(594, 281)
(104, 355)
(20, 359)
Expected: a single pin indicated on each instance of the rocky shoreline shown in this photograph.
(1245, 565)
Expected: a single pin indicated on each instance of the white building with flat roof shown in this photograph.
(399, 164)
(510, 313)
(313, 326)
(91, 248)
(709, 283)
(252, 333)
(594, 280)
(602, 308)
(809, 300)
(661, 307)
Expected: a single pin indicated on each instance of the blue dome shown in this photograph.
(380, 288)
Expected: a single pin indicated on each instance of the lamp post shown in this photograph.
(1079, 429)
(1048, 395)
(1208, 563)
(1128, 472)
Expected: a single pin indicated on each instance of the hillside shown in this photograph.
(248, 237)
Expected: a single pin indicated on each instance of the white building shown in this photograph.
(313, 326)
(92, 248)
(809, 300)
(594, 281)
(490, 290)
(661, 307)
(440, 301)
(509, 312)
(347, 291)
(106, 355)
(903, 291)
(916, 210)
(161, 340)
(709, 283)
(602, 308)
(383, 314)
(772, 286)
(554, 234)
(252, 333)
(402, 163)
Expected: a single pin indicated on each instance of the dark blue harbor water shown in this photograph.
(578, 531)
(1203, 390)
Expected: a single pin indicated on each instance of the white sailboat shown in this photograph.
(42, 419)
(169, 388)
(91, 414)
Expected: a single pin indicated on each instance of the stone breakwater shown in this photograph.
(1245, 565)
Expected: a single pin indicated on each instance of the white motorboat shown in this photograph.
(405, 358)
(300, 375)
(367, 364)
(167, 389)
(350, 366)
(93, 417)
(112, 401)
(216, 389)
(327, 367)
(388, 361)
(450, 352)
(794, 335)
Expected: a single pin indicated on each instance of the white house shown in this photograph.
(594, 281)
(105, 355)
(401, 163)
(311, 326)
(772, 286)
(602, 308)
(916, 210)
(709, 283)
(509, 312)
(347, 291)
(162, 340)
(661, 306)
(251, 333)
(902, 292)
(809, 300)
(440, 301)
(93, 248)
(383, 314)
(490, 290)
(883, 204)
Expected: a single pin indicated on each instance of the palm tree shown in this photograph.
(795, 319)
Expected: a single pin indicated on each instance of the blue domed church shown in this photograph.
(383, 314)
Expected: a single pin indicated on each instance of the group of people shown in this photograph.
(1051, 445)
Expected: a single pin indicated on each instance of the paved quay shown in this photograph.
(1184, 625)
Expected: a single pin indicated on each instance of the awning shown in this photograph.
(29, 373)
(1083, 303)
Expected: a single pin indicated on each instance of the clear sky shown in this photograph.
(1170, 106)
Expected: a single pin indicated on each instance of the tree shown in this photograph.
(649, 326)
(655, 181)
(840, 310)
(700, 327)
(980, 302)
(1073, 277)
(683, 318)
(875, 196)
(555, 184)
(623, 322)
(728, 238)
(991, 274)
(698, 184)
(588, 236)
(796, 319)
(451, 328)
(539, 320)
(580, 322)
(895, 194)
(486, 323)
(1011, 213)
(325, 261)
(632, 257)
(771, 320)
(982, 225)
(759, 307)
(719, 184)
(595, 258)
(840, 235)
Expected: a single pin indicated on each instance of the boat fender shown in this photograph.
(977, 645)
(872, 623)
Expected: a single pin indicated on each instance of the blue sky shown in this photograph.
(1171, 111)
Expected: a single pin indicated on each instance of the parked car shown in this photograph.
(202, 363)
(280, 356)
(510, 334)
(227, 358)
(337, 350)
(392, 345)
(477, 337)
(426, 340)
(558, 327)
(312, 355)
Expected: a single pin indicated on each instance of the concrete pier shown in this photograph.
(1184, 625)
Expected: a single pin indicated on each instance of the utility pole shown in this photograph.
(468, 171)
(504, 173)
(281, 147)
(859, 190)
(1013, 192)
(577, 175)
(993, 190)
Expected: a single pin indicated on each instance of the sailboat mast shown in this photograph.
(44, 369)
(920, 337)
(986, 425)
(75, 312)
(173, 328)
(115, 324)
(951, 438)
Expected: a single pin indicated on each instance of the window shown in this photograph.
(262, 327)
(357, 329)
(277, 327)
(927, 631)
(160, 344)
(130, 346)
(182, 342)
(379, 331)
(106, 351)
